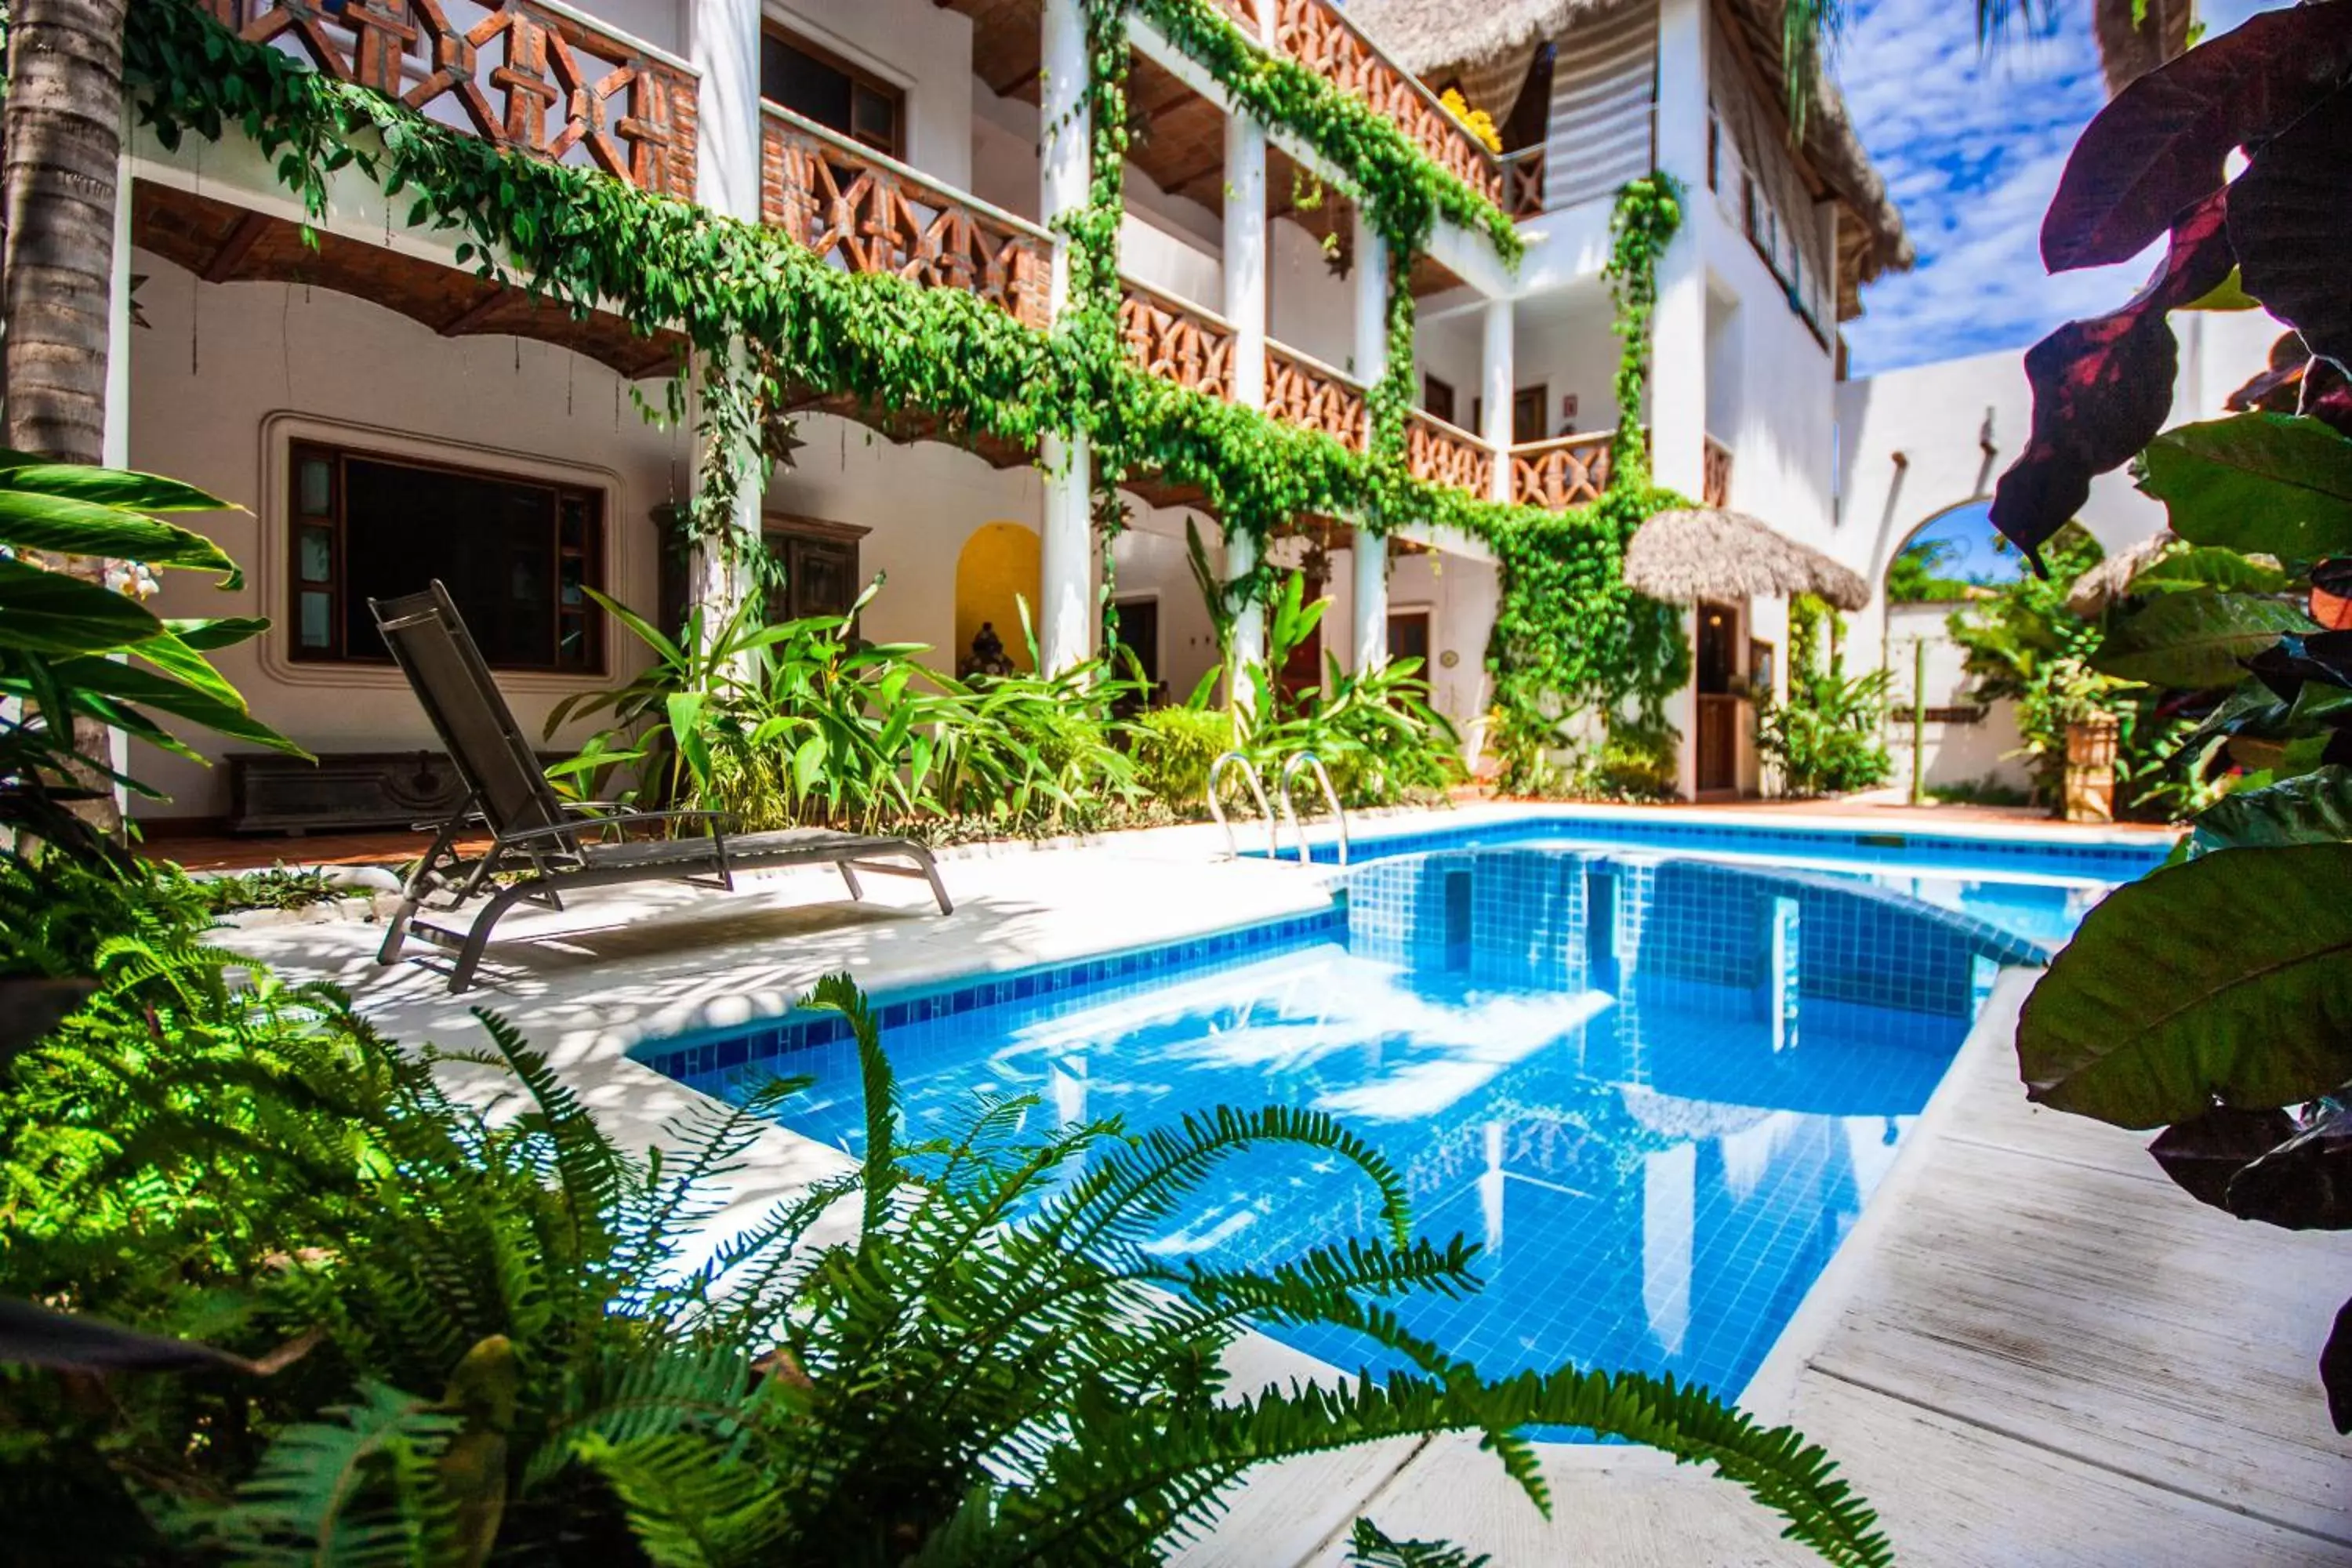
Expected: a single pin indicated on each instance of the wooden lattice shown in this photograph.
(1306, 394)
(1559, 474)
(874, 216)
(1168, 339)
(519, 75)
(1442, 454)
(1312, 32)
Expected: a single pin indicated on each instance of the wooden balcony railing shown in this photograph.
(1715, 481)
(1314, 33)
(1311, 395)
(1176, 341)
(1559, 474)
(533, 78)
(872, 214)
(1523, 181)
(1442, 454)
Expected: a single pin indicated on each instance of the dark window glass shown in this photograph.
(516, 556)
(836, 95)
(1437, 398)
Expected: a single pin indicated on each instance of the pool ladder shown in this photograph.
(1290, 770)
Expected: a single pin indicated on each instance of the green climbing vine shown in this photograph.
(1570, 636)
(1648, 214)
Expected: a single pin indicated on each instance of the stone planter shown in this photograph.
(2091, 770)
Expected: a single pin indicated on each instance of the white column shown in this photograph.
(1498, 393)
(1245, 308)
(723, 43)
(1678, 325)
(1245, 247)
(1066, 618)
(114, 444)
(1371, 553)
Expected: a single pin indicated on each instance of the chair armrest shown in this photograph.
(720, 822)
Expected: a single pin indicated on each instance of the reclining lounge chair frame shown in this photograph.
(550, 846)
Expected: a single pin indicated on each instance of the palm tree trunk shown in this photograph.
(57, 183)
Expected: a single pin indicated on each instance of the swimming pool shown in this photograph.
(2031, 887)
(1659, 1089)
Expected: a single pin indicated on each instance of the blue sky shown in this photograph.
(1974, 551)
(1971, 144)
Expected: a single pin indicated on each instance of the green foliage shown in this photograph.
(68, 645)
(278, 888)
(1173, 747)
(2225, 980)
(1824, 738)
(804, 723)
(2279, 484)
(1648, 214)
(1570, 640)
(1986, 791)
(1373, 730)
(1914, 578)
(990, 1367)
(2190, 641)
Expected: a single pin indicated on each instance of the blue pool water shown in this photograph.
(1658, 1089)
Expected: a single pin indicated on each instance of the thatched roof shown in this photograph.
(1488, 47)
(1706, 553)
(2112, 578)
(2100, 587)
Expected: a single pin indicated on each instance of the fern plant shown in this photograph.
(502, 1339)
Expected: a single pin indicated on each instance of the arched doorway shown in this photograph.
(999, 568)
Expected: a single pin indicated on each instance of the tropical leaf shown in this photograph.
(2286, 219)
(52, 612)
(2226, 978)
(2276, 484)
(2202, 1153)
(2311, 808)
(2305, 1184)
(64, 525)
(2192, 641)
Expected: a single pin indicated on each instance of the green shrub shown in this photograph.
(1173, 749)
(1824, 740)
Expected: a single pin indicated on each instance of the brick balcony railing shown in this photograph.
(1317, 35)
(871, 214)
(534, 77)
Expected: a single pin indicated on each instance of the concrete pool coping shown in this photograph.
(2189, 1481)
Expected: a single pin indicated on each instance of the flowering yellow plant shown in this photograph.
(1481, 124)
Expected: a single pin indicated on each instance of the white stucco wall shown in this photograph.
(1954, 753)
(1958, 424)
(1772, 391)
(219, 361)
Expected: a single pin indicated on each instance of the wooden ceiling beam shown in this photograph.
(473, 315)
(233, 250)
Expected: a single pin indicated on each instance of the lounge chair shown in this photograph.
(543, 845)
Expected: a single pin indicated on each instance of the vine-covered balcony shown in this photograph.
(1317, 35)
(868, 213)
(1573, 470)
(531, 77)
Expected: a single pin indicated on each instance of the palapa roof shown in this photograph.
(2100, 587)
(1704, 552)
(1488, 47)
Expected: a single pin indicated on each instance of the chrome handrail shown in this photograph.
(1331, 797)
(1257, 789)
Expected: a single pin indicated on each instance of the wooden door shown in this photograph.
(1719, 745)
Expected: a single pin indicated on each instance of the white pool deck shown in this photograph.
(2031, 1349)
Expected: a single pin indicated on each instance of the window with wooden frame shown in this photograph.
(819, 562)
(517, 553)
(817, 84)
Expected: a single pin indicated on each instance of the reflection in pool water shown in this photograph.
(1657, 1091)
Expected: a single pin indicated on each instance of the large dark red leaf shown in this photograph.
(2323, 657)
(2163, 142)
(2101, 387)
(2291, 222)
(2335, 1370)
(2203, 1152)
(2305, 1184)
(2278, 389)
